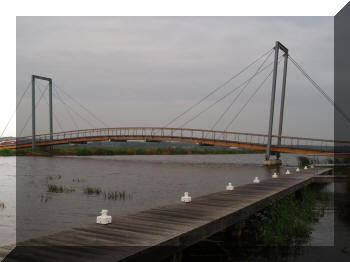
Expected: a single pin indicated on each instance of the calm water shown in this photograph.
(148, 181)
(8, 197)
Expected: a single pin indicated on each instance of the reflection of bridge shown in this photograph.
(298, 145)
(272, 144)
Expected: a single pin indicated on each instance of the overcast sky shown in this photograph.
(144, 71)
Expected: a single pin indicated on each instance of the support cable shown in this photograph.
(319, 89)
(53, 113)
(66, 108)
(250, 98)
(17, 106)
(217, 88)
(227, 94)
(82, 106)
(36, 106)
(240, 93)
(74, 111)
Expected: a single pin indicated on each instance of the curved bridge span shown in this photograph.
(297, 145)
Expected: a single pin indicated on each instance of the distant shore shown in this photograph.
(101, 150)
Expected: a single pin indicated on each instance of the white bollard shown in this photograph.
(104, 218)
(256, 180)
(230, 186)
(305, 167)
(275, 175)
(298, 170)
(287, 172)
(186, 198)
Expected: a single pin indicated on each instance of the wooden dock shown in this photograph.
(162, 232)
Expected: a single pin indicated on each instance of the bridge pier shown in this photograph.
(34, 77)
(277, 161)
(273, 162)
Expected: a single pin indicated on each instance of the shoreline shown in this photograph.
(108, 150)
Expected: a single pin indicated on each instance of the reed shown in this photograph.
(116, 195)
(286, 221)
(59, 189)
(92, 190)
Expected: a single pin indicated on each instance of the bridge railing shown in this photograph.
(187, 134)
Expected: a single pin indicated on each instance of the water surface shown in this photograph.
(145, 181)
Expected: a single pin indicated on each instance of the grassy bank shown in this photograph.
(274, 234)
(287, 222)
(7, 152)
(86, 151)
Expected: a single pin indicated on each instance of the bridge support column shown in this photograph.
(283, 95)
(33, 112)
(50, 109)
(34, 77)
(273, 162)
(50, 112)
(267, 161)
(272, 105)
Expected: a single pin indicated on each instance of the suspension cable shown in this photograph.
(53, 113)
(36, 106)
(217, 89)
(319, 89)
(240, 93)
(87, 110)
(250, 98)
(57, 95)
(74, 111)
(227, 94)
(14, 112)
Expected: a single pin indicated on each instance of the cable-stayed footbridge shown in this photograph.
(272, 144)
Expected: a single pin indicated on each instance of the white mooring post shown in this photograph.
(104, 218)
(287, 172)
(275, 175)
(186, 198)
(256, 180)
(305, 167)
(298, 169)
(230, 186)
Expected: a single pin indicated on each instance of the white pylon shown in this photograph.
(230, 186)
(186, 198)
(104, 218)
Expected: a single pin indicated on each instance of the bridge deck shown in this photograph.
(299, 145)
(160, 232)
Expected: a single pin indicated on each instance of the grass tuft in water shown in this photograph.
(116, 195)
(92, 190)
(59, 189)
(2, 205)
(45, 198)
(54, 177)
